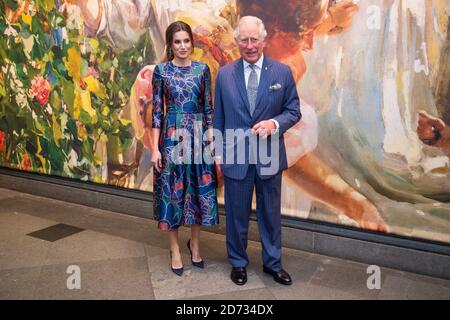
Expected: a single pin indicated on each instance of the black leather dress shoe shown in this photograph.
(239, 276)
(279, 276)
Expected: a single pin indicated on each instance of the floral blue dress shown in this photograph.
(185, 189)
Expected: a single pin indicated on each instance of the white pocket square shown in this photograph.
(274, 87)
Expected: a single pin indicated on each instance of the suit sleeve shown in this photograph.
(291, 105)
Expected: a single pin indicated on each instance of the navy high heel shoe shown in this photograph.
(177, 271)
(199, 264)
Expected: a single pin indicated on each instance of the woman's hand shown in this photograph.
(156, 160)
(219, 175)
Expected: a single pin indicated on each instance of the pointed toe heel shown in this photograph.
(177, 271)
(199, 264)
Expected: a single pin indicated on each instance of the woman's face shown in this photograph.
(181, 45)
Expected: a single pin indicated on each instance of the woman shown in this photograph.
(184, 184)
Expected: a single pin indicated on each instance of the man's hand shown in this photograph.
(264, 128)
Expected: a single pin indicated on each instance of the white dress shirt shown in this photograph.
(258, 67)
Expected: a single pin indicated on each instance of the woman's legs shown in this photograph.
(195, 243)
(175, 250)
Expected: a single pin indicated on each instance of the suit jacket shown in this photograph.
(277, 99)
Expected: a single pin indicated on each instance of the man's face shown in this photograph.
(250, 44)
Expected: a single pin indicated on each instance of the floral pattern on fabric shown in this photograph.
(185, 189)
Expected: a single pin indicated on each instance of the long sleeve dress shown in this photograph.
(185, 189)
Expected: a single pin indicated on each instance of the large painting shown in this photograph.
(371, 151)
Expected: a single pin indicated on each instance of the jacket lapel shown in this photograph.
(263, 87)
(240, 82)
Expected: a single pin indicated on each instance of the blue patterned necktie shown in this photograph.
(252, 88)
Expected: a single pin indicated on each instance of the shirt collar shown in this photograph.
(258, 63)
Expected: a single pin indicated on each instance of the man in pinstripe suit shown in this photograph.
(256, 101)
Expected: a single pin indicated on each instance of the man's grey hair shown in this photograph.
(258, 21)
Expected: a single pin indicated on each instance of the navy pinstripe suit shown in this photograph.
(277, 99)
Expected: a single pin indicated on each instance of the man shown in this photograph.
(257, 95)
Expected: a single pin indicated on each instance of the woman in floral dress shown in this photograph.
(185, 181)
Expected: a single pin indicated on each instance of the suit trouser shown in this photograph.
(238, 202)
